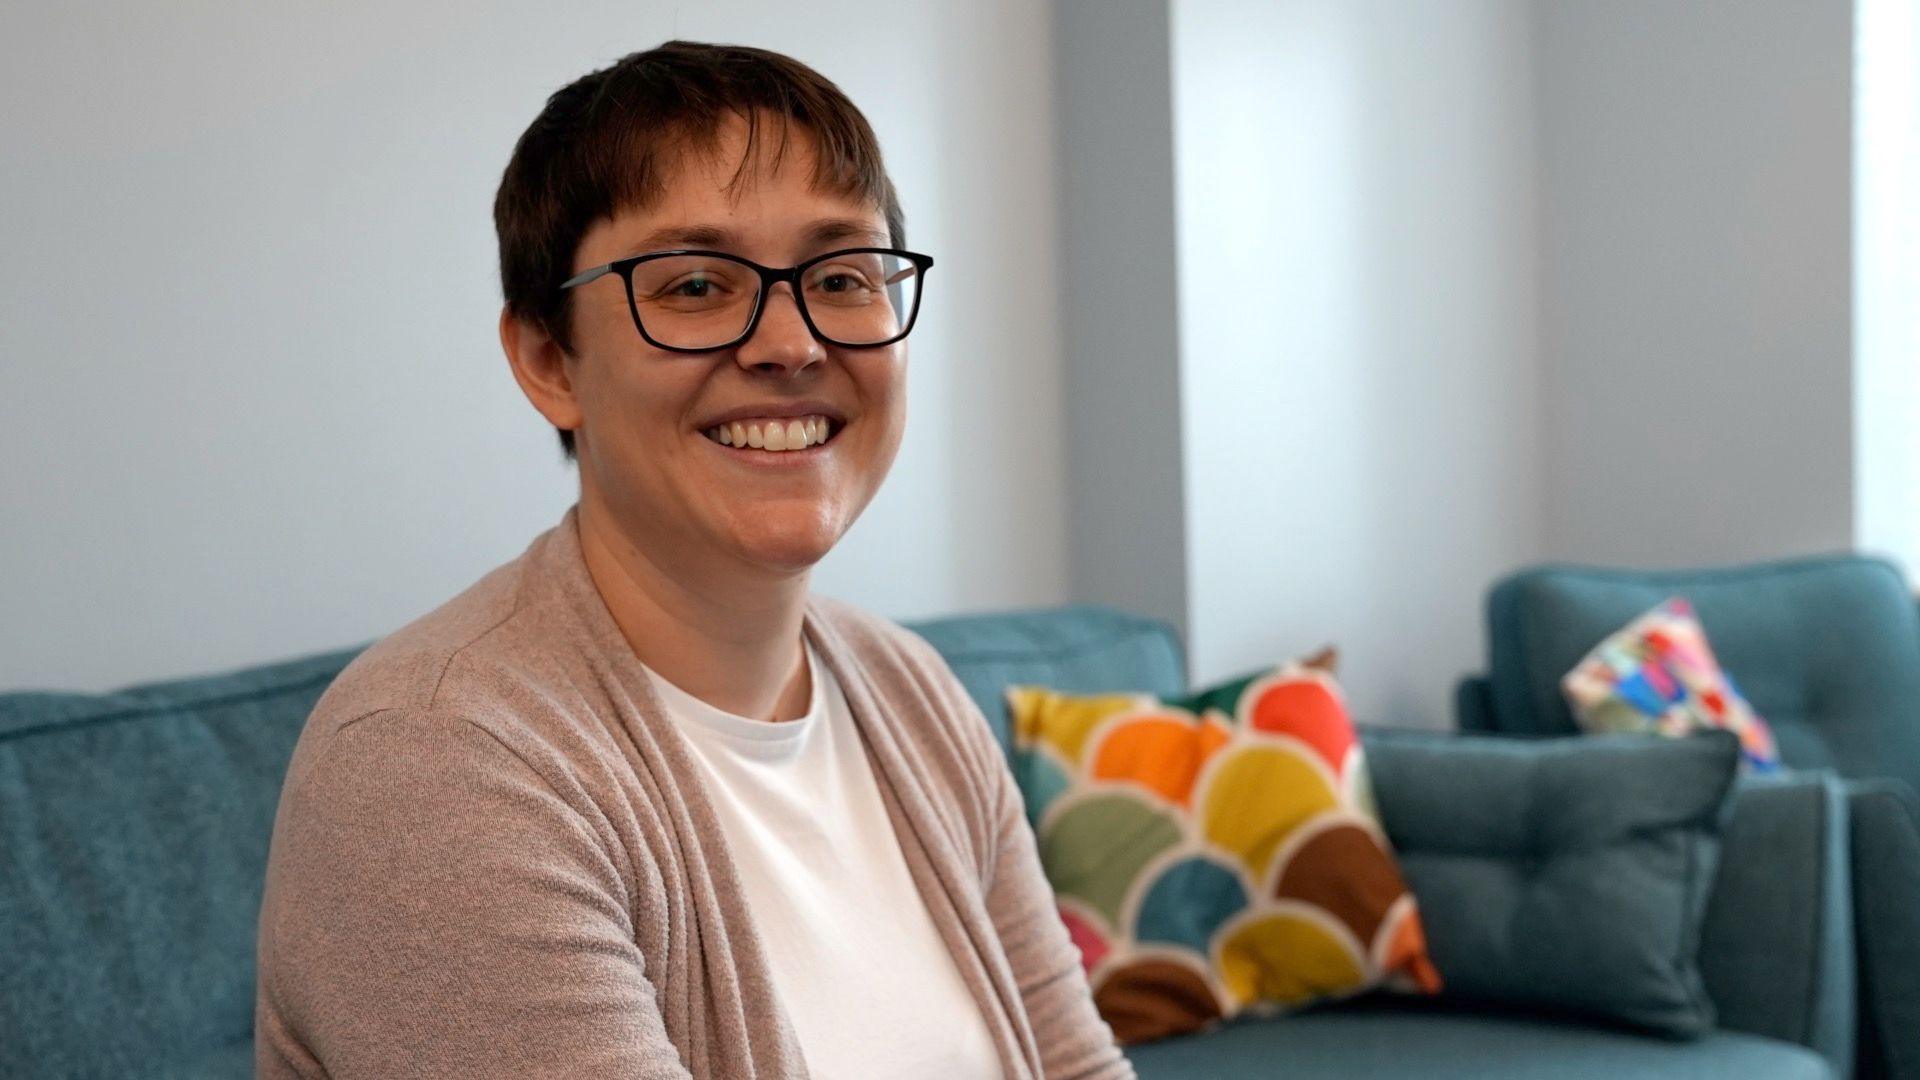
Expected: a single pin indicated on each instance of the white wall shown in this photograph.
(252, 404)
(1355, 245)
(1695, 278)
(1886, 264)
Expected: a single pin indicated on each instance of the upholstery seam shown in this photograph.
(963, 656)
(139, 712)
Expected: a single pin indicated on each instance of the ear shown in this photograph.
(540, 367)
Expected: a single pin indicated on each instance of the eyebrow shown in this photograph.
(822, 231)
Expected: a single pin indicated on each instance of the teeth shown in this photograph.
(774, 435)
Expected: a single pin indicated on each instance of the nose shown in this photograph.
(782, 341)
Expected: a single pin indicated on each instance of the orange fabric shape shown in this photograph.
(1406, 951)
(1307, 709)
(1161, 753)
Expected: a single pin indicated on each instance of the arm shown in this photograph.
(1776, 944)
(1075, 1043)
(434, 909)
(1886, 875)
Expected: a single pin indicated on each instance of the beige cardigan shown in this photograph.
(493, 858)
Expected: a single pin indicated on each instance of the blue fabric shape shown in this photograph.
(1041, 781)
(1635, 690)
(1188, 902)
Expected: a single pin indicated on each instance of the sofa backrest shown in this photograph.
(134, 829)
(133, 842)
(1082, 648)
(1827, 649)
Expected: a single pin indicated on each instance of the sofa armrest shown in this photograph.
(1473, 705)
(1777, 945)
(1886, 885)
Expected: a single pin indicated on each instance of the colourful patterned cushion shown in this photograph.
(1658, 673)
(1217, 854)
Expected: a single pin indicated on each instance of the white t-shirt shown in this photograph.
(857, 962)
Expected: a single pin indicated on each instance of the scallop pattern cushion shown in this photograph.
(1218, 854)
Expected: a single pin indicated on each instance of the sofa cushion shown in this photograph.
(1827, 649)
(1658, 673)
(1082, 648)
(1355, 1042)
(1568, 873)
(133, 843)
(1215, 852)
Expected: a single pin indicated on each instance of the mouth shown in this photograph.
(773, 439)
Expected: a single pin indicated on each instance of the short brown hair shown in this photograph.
(600, 145)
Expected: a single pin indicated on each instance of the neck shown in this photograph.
(729, 638)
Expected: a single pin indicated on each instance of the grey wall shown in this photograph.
(1695, 191)
(252, 403)
(1119, 311)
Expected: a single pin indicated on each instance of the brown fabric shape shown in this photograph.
(1344, 871)
(1154, 998)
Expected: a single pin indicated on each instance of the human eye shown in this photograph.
(686, 283)
(853, 279)
(694, 285)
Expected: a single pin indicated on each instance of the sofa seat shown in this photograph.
(1361, 1042)
(231, 1062)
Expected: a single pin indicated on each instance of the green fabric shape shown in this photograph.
(1096, 847)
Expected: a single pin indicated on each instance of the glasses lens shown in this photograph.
(862, 297)
(694, 301)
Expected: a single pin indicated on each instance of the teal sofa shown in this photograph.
(1828, 651)
(134, 829)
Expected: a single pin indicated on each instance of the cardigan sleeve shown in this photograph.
(1075, 1043)
(434, 908)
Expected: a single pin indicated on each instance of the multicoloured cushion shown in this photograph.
(1217, 854)
(1658, 673)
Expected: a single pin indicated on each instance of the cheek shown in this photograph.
(887, 386)
(884, 381)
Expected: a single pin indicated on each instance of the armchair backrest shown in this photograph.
(1827, 649)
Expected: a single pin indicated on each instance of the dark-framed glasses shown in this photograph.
(691, 300)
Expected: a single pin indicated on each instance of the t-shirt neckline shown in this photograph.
(685, 706)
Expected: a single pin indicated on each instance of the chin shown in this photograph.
(792, 552)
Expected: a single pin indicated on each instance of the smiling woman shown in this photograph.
(637, 803)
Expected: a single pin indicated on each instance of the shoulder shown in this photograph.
(406, 669)
(494, 679)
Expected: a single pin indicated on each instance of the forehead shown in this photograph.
(707, 194)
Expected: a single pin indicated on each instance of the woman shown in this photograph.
(635, 804)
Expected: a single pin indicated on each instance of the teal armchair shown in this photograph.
(1828, 651)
